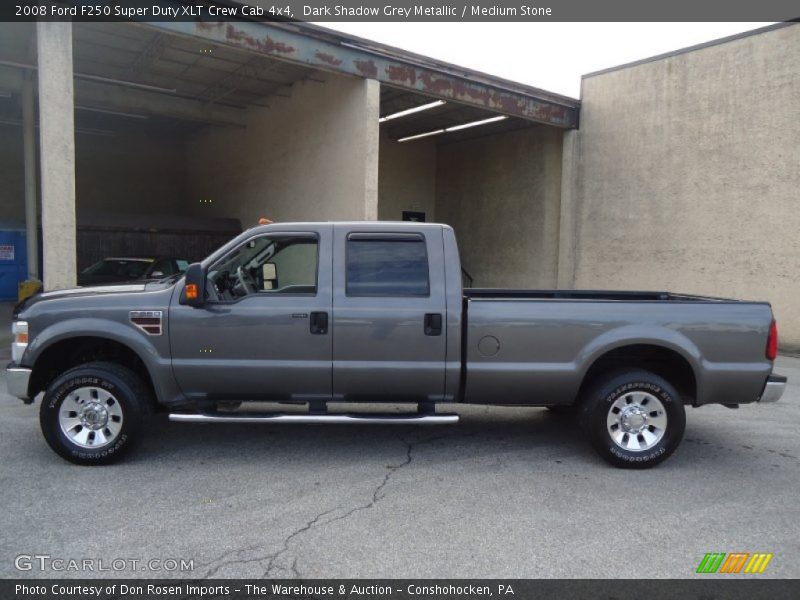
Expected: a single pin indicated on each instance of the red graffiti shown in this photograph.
(402, 74)
(367, 68)
(328, 58)
(267, 45)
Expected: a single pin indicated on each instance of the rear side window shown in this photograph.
(387, 267)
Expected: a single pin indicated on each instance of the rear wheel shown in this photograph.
(634, 419)
(93, 413)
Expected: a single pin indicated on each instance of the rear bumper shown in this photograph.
(17, 379)
(773, 390)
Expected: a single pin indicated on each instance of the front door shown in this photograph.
(389, 313)
(263, 332)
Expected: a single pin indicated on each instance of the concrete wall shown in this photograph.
(313, 155)
(687, 171)
(131, 174)
(501, 193)
(116, 174)
(12, 174)
(407, 179)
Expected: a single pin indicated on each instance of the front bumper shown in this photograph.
(773, 390)
(17, 379)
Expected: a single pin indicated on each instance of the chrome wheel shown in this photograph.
(636, 421)
(90, 417)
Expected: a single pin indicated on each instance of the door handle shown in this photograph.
(433, 324)
(319, 323)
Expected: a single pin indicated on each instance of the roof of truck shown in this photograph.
(365, 224)
(376, 226)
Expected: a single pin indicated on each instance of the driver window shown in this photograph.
(278, 264)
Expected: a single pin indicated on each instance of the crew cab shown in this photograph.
(374, 312)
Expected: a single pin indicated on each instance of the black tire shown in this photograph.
(620, 388)
(563, 410)
(125, 388)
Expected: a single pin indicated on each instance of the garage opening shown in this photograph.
(496, 179)
(185, 133)
(181, 143)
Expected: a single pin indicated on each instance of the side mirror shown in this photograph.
(156, 274)
(269, 275)
(194, 288)
(269, 271)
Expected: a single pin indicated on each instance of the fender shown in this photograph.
(650, 335)
(158, 367)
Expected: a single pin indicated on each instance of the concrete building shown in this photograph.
(288, 121)
(685, 175)
(674, 173)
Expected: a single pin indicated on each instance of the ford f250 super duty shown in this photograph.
(319, 313)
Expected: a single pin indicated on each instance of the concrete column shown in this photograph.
(57, 153)
(371, 146)
(29, 155)
(567, 238)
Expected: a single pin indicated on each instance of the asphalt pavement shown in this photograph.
(505, 493)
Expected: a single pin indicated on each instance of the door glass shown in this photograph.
(266, 265)
(164, 266)
(387, 267)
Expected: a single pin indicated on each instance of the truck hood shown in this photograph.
(78, 292)
(92, 290)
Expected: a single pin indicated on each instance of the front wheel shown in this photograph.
(634, 419)
(93, 414)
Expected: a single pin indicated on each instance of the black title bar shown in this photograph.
(400, 10)
(730, 588)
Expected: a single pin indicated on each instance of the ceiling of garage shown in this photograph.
(184, 83)
(179, 67)
(193, 69)
(439, 117)
(158, 66)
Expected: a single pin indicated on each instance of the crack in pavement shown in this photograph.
(378, 493)
(261, 558)
(274, 557)
(288, 540)
(376, 497)
(238, 561)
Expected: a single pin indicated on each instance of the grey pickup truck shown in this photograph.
(374, 312)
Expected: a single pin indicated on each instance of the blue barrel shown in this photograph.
(13, 261)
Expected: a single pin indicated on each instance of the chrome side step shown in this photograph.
(366, 419)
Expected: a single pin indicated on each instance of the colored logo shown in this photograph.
(735, 562)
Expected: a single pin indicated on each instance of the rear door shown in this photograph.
(389, 339)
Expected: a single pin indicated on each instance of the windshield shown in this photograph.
(249, 255)
(123, 268)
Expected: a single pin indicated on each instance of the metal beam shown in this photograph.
(238, 79)
(99, 95)
(149, 56)
(309, 50)
(112, 97)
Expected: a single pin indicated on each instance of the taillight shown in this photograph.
(772, 341)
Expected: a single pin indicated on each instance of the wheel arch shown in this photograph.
(64, 353)
(674, 363)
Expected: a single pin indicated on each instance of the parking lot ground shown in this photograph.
(506, 493)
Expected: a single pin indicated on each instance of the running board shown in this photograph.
(366, 419)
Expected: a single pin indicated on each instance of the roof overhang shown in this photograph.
(322, 49)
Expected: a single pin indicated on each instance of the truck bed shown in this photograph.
(535, 346)
(609, 295)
